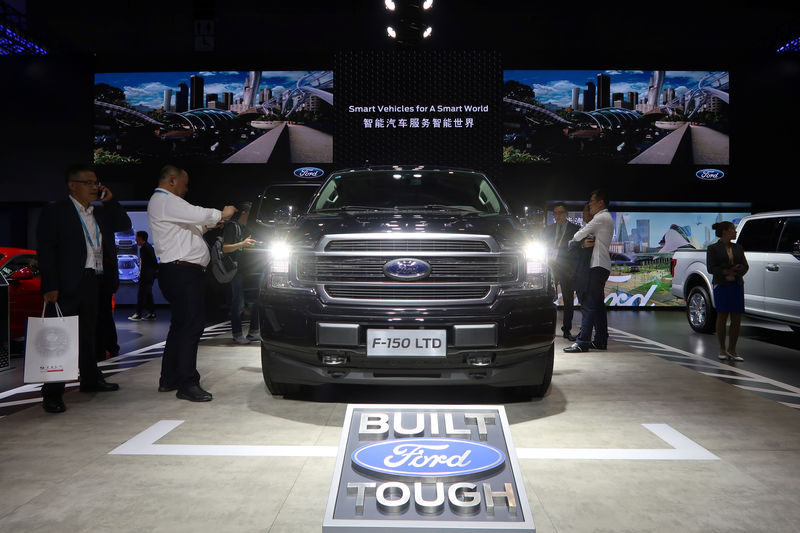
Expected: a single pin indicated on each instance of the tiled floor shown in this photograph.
(58, 474)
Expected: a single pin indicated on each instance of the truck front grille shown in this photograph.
(406, 245)
(406, 292)
(321, 269)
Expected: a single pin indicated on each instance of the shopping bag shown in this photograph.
(51, 348)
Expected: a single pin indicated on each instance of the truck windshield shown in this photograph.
(399, 190)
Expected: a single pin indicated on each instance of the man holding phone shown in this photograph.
(593, 309)
(75, 248)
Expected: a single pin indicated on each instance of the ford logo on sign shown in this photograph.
(309, 172)
(428, 457)
(406, 269)
(710, 174)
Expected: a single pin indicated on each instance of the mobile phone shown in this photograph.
(102, 194)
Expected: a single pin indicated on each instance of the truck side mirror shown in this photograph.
(283, 215)
(796, 249)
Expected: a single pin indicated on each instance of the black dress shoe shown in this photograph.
(167, 388)
(569, 336)
(598, 346)
(99, 386)
(54, 406)
(576, 348)
(193, 393)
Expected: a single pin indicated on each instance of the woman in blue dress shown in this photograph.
(726, 262)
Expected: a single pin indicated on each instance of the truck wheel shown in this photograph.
(538, 391)
(275, 388)
(700, 313)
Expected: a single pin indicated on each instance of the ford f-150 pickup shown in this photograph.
(406, 275)
(772, 284)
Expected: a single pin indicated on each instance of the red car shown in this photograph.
(20, 268)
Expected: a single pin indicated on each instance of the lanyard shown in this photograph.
(558, 229)
(86, 231)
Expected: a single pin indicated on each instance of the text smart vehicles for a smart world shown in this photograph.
(407, 276)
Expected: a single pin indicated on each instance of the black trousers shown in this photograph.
(83, 304)
(107, 339)
(184, 287)
(593, 308)
(568, 296)
(144, 298)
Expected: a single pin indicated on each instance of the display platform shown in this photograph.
(624, 440)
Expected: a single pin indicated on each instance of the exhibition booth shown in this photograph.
(643, 434)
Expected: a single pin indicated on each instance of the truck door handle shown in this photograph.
(773, 267)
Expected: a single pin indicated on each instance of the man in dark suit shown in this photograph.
(148, 265)
(562, 261)
(75, 245)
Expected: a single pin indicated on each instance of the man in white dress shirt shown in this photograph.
(593, 308)
(177, 228)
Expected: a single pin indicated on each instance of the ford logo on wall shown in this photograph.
(407, 269)
(309, 172)
(428, 457)
(710, 174)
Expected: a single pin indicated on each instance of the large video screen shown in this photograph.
(642, 248)
(626, 117)
(213, 117)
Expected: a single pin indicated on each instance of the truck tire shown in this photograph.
(275, 388)
(700, 312)
(539, 390)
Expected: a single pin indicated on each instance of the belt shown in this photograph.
(187, 264)
(91, 272)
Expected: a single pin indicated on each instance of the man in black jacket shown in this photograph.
(148, 265)
(562, 261)
(75, 243)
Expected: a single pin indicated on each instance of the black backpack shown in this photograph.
(222, 265)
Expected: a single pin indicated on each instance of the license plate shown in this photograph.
(407, 342)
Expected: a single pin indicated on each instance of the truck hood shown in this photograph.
(503, 228)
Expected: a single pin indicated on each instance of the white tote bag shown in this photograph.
(51, 348)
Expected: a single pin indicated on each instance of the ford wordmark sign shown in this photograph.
(309, 172)
(428, 458)
(710, 174)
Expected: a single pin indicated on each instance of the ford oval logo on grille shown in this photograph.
(406, 269)
(308, 172)
(428, 457)
(710, 174)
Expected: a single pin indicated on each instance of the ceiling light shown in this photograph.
(389, 4)
(426, 4)
(427, 32)
(391, 32)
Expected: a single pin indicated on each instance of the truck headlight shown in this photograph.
(535, 265)
(278, 255)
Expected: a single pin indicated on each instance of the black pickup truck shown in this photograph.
(405, 276)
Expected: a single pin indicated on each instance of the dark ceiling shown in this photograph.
(527, 33)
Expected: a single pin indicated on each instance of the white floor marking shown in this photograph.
(702, 359)
(769, 391)
(35, 387)
(142, 444)
(726, 376)
(683, 448)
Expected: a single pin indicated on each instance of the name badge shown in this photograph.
(98, 259)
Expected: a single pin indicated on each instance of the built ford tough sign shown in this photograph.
(406, 276)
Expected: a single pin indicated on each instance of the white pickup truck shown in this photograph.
(772, 285)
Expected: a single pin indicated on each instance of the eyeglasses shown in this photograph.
(90, 183)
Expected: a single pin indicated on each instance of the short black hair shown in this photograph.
(169, 170)
(601, 194)
(74, 170)
(142, 235)
(559, 204)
